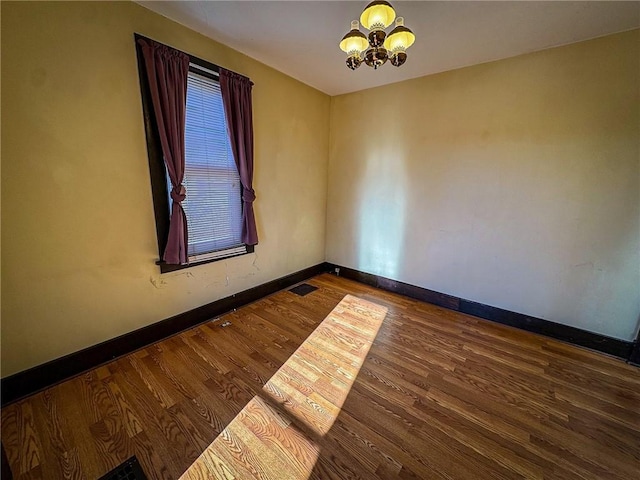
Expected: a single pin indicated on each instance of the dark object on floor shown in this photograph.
(129, 470)
(6, 470)
(303, 289)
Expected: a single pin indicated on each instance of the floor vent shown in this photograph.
(129, 470)
(303, 289)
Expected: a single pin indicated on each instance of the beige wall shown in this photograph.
(514, 183)
(78, 233)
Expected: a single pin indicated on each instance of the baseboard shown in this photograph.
(634, 357)
(30, 381)
(611, 346)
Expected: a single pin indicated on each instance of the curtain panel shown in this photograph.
(167, 70)
(236, 97)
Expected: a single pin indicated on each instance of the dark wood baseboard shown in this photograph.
(634, 358)
(611, 346)
(30, 381)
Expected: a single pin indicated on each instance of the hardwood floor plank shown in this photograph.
(10, 436)
(47, 423)
(76, 422)
(29, 441)
(154, 458)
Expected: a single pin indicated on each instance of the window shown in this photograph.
(213, 204)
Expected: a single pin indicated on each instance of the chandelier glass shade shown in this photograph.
(377, 16)
(377, 47)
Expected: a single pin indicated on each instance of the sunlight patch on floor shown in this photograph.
(275, 435)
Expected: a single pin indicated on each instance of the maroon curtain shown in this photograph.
(236, 96)
(167, 71)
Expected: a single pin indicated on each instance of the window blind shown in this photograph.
(213, 204)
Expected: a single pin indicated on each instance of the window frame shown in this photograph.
(157, 168)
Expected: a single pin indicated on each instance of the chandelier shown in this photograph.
(378, 47)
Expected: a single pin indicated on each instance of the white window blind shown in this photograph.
(213, 205)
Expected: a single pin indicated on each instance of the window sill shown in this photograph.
(167, 267)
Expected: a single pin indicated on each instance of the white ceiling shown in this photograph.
(300, 38)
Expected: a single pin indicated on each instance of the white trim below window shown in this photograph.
(227, 252)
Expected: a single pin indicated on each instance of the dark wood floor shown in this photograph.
(439, 395)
